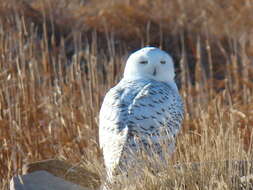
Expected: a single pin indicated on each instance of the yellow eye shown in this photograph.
(144, 62)
(162, 62)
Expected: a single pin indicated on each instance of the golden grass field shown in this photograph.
(49, 102)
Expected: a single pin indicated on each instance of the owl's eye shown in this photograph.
(143, 62)
(162, 62)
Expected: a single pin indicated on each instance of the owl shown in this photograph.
(143, 112)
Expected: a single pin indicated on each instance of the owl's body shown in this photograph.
(140, 112)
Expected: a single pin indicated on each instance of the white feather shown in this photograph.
(144, 105)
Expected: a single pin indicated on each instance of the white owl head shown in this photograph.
(150, 63)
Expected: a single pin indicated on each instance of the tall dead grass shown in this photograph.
(58, 59)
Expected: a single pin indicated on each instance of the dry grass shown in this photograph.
(49, 107)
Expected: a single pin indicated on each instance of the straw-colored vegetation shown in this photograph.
(59, 57)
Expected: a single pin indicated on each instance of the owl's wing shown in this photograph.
(157, 110)
(112, 129)
(137, 108)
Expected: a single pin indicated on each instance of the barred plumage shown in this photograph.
(142, 110)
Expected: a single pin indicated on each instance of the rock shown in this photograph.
(42, 180)
(74, 174)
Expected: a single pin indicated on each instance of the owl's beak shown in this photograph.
(154, 72)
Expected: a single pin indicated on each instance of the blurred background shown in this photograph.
(59, 57)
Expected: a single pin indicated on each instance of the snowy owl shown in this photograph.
(142, 110)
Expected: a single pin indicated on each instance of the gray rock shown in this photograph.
(42, 180)
(72, 173)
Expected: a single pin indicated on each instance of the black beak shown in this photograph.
(154, 73)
